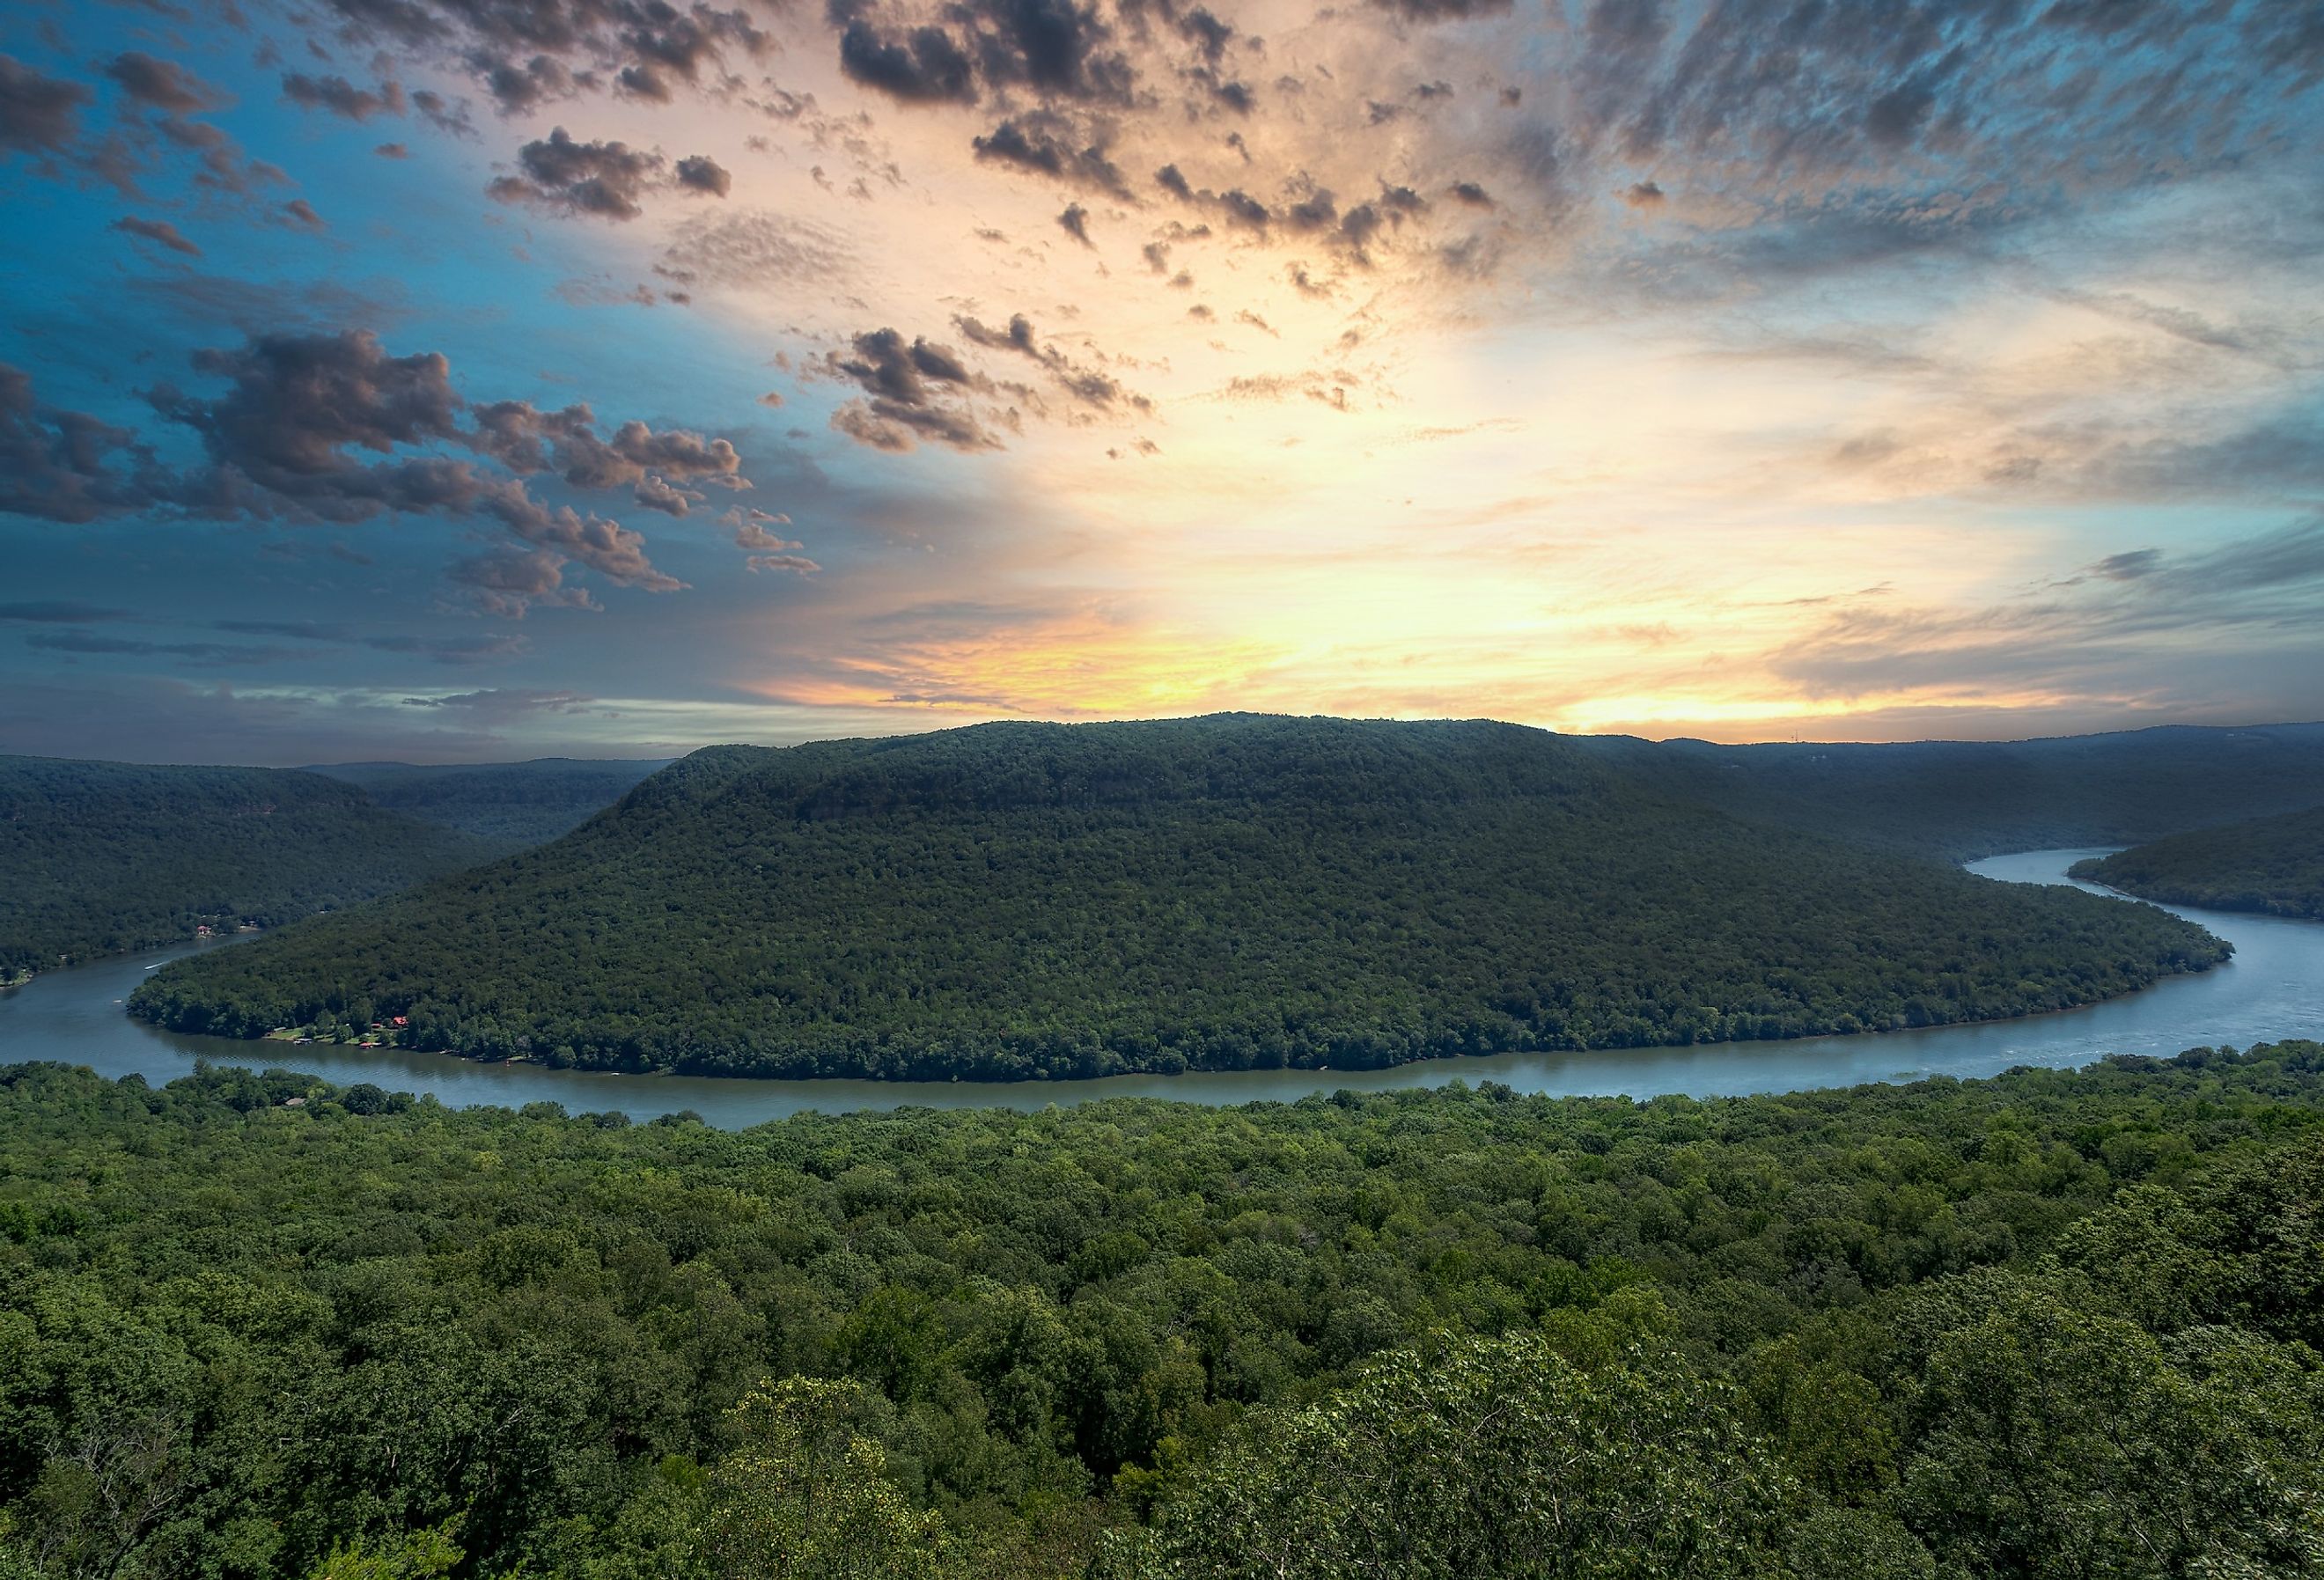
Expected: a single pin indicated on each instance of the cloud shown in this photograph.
(528, 52)
(566, 177)
(84, 643)
(701, 173)
(1054, 49)
(765, 551)
(923, 66)
(338, 96)
(2129, 620)
(509, 582)
(57, 465)
(163, 84)
(459, 652)
(528, 440)
(1430, 11)
(1074, 222)
(288, 437)
(60, 612)
(754, 247)
(505, 703)
(160, 232)
(1087, 385)
(1045, 143)
(917, 392)
(38, 113)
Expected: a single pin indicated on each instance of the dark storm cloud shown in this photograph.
(1048, 144)
(163, 84)
(38, 113)
(339, 97)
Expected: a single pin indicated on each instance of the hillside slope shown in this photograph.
(509, 805)
(97, 858)
(2270, 865)
(1963, 799)
(1019, 899)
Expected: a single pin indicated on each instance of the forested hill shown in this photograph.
(1962, 799)
(97, 858)
(507, 805)
(2270, 865)
(1022, 900)
(2056, 1323)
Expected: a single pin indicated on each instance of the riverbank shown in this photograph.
(2274, 987)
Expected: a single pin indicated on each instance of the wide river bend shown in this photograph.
(2274, 988)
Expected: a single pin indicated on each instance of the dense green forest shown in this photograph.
(1038, 900)
(97, 858)
(2058, 1324)
(508, 806)
(1962, 799)
(2270, 865)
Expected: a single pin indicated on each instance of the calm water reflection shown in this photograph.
(2274, 988)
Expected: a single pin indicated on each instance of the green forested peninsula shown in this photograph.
(1038, 900)
(507, 806)
(97, 858)
(2055, 1324)
(2270, 865)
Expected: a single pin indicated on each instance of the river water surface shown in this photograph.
(2274, 988)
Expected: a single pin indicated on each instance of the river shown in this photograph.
(2274, 988)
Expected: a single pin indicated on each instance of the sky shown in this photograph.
(462, 380)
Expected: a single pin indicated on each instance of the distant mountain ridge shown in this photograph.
(1963, 799)
(1019, 899)
(99, 858)
(507, 805)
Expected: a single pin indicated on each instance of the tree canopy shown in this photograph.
(2270, 865)
(2056, 1323)
(99, 858)
(1015, 901)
